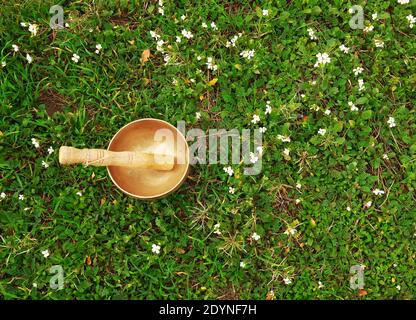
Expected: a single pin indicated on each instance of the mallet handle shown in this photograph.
(101, 157)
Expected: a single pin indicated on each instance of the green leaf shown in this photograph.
(361, 100)
(367, 114)
(338, 126)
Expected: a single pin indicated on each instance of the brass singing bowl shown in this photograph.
(146, 135)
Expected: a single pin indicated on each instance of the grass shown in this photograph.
(103, 239)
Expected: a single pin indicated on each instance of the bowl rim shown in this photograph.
(161, 195)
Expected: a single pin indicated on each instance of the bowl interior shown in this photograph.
(149, 135)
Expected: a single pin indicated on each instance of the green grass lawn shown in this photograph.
(340, 193)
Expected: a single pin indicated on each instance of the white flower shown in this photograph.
(242, 264)
(217, 229)
(352, 106)
(229, 170)
(198, 58)
(248, 54)
(204, 25)
(327, 112)
(403, 1)
(412, 20)
(379, 43)
(50, 150)
(260, 150)
(368, 204)
(298, 186)
(98, 47)
(21, 197)
(178, 39)
(322, 59)
(161, 11)
(35, 143)
(255, 236)
(155, 248)
(368, 28)
(286, 151)
(343, 48)
(391, 122)
(255, 119)
(33, 29)
(361, 85)
(232, 42)
(67, 25)
(45, 253)
(320, 285)
(283, 138)
(198, 115)
(348, 208)
(3, 64)
(183, 17)
(268, 109)
(23, 24)
(290, 231)
(385, 157)
(187, 34)
(166, 58)
(378, 192)
(253, 157)
(311, 33)
(2, 195)
(154, 35)
(15, 47)
(75, 58)
(374, 16)
(231, 190)
(34, 285)
(357, 71)
(214, 26)
(44, 164)
(287, 281)
(159, 45)
(79, 194)
(265, 12)
(29, 58)
(322, 131)
(210, 65)
(263, 129)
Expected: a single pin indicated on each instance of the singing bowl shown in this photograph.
(144, 136)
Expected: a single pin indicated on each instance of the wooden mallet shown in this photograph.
(101, 157)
